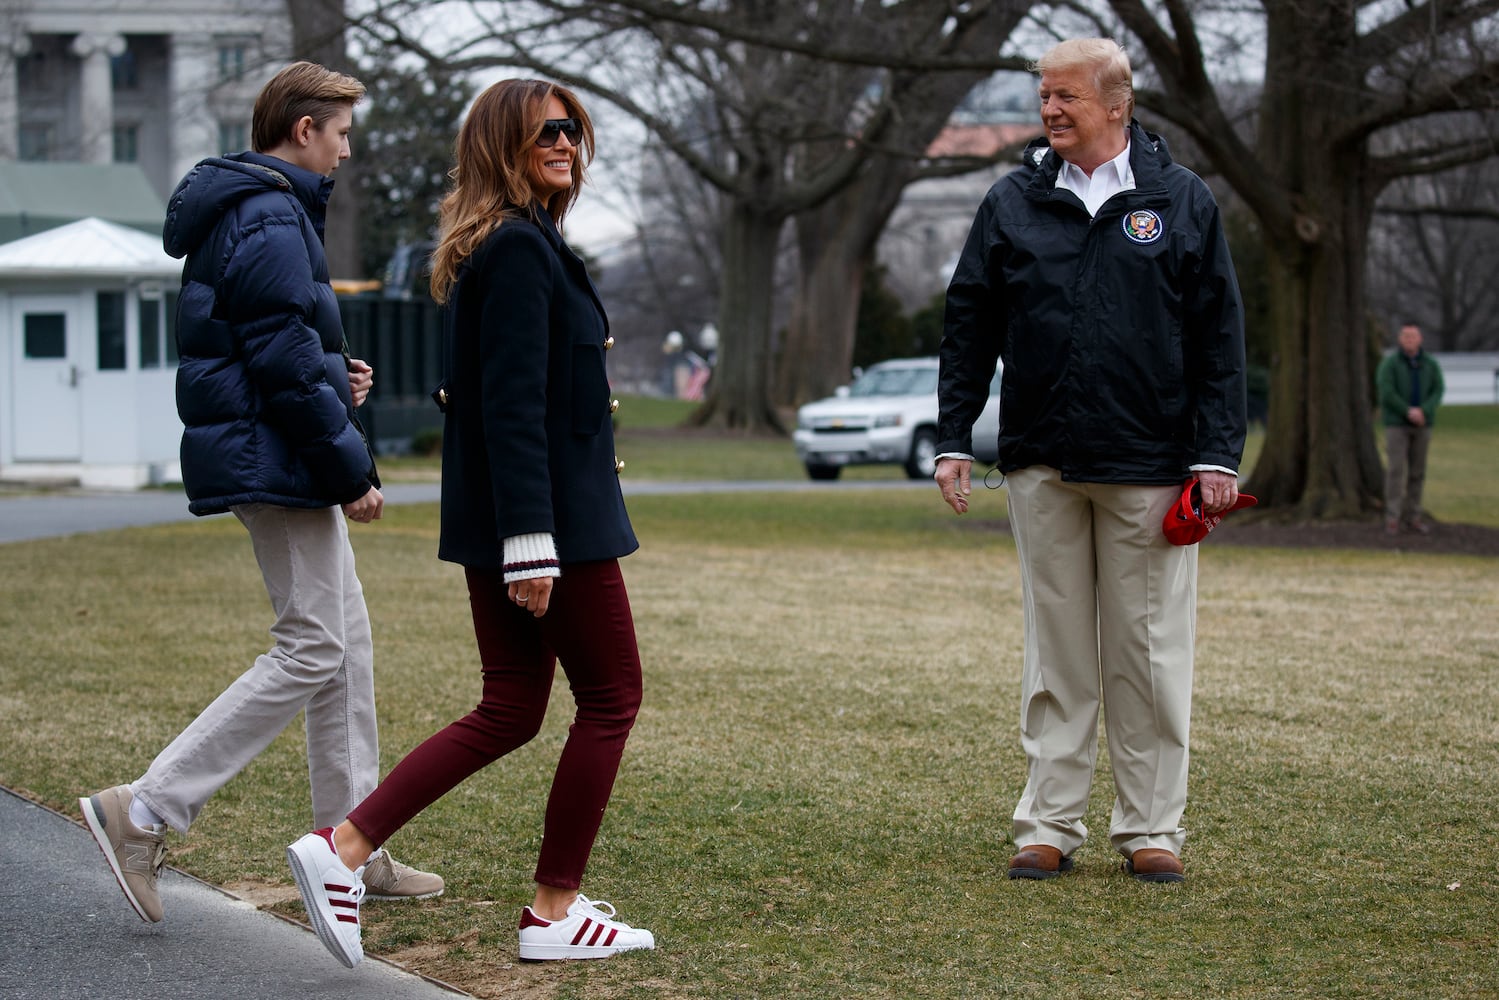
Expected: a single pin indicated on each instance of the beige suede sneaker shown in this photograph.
(387, 878)
(134, 855)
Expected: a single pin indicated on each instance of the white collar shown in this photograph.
(1116, 171)
(1108, 179)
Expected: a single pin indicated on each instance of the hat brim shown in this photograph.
(1184, 525)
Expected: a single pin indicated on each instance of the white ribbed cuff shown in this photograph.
(530, 556)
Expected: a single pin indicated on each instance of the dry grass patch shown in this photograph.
(816, 799)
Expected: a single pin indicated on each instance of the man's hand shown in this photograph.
(1416, 416)
(367, 508)
(952, 480)
(1219, 490)
(361, 377)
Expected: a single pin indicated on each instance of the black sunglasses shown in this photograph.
(553, 127)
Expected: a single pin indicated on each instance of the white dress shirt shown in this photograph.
(1108, 179)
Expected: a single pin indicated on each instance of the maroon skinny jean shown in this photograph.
(588, 628)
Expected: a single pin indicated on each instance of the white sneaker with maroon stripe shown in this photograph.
(331, 894)
(588, 931)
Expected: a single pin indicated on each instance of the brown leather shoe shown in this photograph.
(1039, 861)
(1155, 864)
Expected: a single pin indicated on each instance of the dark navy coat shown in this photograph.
(528, 444)
(262, 384)
(1122, 334)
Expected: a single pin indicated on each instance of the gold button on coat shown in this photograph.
(608, 343)
(613, 405)
(618, 465)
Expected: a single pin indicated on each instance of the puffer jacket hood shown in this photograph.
(217, 184)
(263, 381)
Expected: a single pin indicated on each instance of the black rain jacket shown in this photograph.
(1122, 334)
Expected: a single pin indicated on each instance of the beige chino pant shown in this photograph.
(1110, 620)
(322, 661)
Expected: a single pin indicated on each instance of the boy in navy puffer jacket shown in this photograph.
(267, 394)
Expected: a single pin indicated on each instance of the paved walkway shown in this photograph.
(65, 928)
(67, 932)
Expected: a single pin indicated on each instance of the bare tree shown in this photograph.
(1433, 252)
(836, 239)
(735, 91)
(1340, 77)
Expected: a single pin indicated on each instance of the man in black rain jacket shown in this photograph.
(1099, 272)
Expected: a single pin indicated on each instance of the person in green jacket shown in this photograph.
(1410, 388)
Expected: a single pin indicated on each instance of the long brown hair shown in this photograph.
(491, 180)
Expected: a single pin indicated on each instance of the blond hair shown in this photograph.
(491, 175)
(301, 90)
(1103, 57)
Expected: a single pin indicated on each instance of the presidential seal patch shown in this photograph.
(1143, 226)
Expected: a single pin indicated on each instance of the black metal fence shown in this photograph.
(402, 341)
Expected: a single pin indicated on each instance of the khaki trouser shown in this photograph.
(1405, 473)
(1110, 620)
(322, 660)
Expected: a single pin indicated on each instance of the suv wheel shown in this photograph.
(922, 462)
(823, 471)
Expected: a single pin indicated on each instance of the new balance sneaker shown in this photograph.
(387, 878)
(134, 855)
(331, 894)
(588, 931)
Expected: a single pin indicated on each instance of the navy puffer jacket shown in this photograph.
(262, 385)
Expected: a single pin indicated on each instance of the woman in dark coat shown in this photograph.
(532, 509)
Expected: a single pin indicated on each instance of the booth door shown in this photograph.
(47, 352)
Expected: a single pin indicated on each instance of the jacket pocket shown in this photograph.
(590, 389)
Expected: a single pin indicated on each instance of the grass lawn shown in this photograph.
(815, 802)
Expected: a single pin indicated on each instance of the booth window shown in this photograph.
(111, 306)
(46, 335)
(158, 330)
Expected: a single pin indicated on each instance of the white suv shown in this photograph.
(887, 417)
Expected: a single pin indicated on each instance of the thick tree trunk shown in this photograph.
(739, 394)
(1319, 460)
(837, 244)
(318, 35)
(819, 345)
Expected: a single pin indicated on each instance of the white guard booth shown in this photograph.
(88, 358)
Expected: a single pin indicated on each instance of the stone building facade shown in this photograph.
(160, 84)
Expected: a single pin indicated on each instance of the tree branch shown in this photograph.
(1479, 213)
(773, 35)
(1189, 101)
(1434, 159)
(1475, 91)
(1426, 21)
